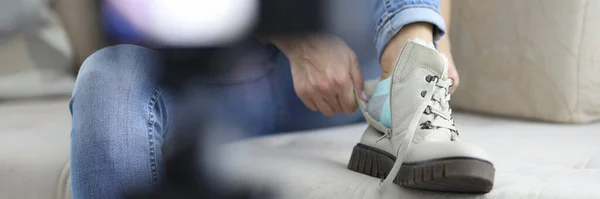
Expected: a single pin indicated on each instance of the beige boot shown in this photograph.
(422, 148)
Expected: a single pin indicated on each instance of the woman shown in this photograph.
(121, 116)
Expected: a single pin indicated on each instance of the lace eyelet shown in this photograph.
(426, 125)
(427, 110)
(456, 131)
(423, 93)
(429, 78)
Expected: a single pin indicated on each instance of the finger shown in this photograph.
(358, 80)
(324, 107)
(309, 103)
(327, 92)
(345, 95)
(348, 101)
(333, 102)
(455, 82)
(305, 96)
(453, 74)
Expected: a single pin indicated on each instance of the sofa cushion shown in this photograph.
(34, 149)
(532, 160)
(530, 59)
(35, 54)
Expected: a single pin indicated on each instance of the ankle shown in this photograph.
(419, 30)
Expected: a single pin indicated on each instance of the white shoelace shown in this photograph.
(439, 106)
(436, 100)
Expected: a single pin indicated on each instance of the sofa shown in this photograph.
(528, 96)
(535, 60)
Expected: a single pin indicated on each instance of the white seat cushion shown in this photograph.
(34, 149)
(532, 160)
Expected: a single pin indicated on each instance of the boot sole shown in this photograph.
(455, 174)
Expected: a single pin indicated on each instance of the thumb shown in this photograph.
(358, 81)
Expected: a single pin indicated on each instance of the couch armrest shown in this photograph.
(81, 19)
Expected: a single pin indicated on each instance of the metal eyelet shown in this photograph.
(426, 125)
(456, 131)
(429, 78)
(423, 93)
(427, 110)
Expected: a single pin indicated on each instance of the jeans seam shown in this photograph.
(386, 19)
(151, 141)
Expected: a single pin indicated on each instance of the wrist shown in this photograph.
(287, 44)
(294, 47)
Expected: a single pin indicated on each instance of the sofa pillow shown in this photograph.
(35, 55)
(538, 60)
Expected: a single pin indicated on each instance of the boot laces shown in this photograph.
(435, 103)
(438, 106)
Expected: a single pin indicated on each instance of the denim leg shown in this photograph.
(392, 15)
(244, 105)
(119, 120)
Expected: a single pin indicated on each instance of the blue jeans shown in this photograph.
(121, 116)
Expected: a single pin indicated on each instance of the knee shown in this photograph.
(116, 64)
(116, 69)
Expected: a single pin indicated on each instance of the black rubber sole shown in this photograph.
(459, 175)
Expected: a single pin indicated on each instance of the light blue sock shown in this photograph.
(379, 103)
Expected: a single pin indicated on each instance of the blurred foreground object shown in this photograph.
(189, 22)
(531, 59)
(196, 44)
(208, 23)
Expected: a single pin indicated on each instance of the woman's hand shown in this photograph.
(325, 72)
(452, 73)
(445, 46)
